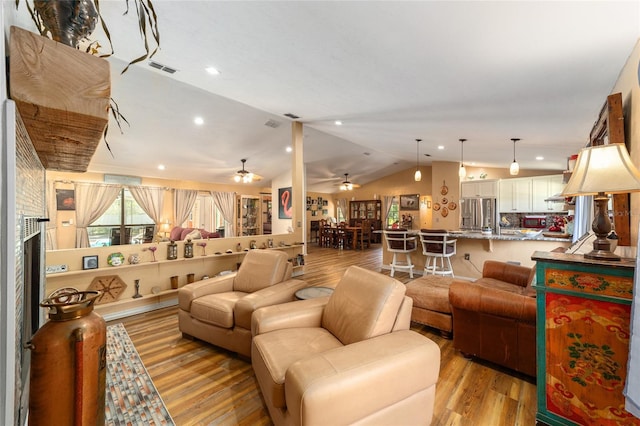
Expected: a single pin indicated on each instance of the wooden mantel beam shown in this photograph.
(62, 95)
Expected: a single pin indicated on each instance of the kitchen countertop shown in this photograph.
(504, 237)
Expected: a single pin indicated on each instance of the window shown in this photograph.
(394, 213)
(204, 215)
(124, 218)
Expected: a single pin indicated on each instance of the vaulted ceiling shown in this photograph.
(390, 71)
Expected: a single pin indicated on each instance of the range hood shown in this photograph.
(557, 198)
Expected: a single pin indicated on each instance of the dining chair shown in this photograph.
(437, 244)
(367, 233)
(342, 236)
(400, 241)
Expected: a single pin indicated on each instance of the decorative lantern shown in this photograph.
(172, 250)
(188, 249)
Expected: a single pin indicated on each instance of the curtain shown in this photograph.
(342, 207)
(388, 202)
(92, 200)
(52, 214)
(225, 201)
(632, 387)
(183, 201)
(583, 216)
(151, 200)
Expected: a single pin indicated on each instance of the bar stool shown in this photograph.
(437, 244)
(400, 242)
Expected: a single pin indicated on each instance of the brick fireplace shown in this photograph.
(23, 207)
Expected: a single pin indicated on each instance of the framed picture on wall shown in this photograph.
(65, 199)
(285, 210)
(89, 262)
(410, 202)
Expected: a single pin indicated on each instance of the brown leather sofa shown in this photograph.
(348, 358)
(218, 310)
(494, 318)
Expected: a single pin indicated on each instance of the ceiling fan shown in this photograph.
(245, 176)
(347, 185)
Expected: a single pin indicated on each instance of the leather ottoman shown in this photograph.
(431, 307)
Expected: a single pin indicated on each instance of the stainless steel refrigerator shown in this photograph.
(478, 213)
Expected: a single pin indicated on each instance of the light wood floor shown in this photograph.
(205, 385)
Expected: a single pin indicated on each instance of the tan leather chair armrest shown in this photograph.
(302, 313)
(274, 294)
(397, 365)
(213, 285)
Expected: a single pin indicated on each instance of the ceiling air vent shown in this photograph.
(272, 123)
(292, 116)
(161, 67)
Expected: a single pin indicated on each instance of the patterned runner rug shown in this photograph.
(132, 398)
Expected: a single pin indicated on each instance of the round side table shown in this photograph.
(313, 292)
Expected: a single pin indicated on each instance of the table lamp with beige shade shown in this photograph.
(599, 171)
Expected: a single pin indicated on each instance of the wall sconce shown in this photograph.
(602, 170)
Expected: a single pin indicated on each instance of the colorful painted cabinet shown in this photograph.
(583, 319)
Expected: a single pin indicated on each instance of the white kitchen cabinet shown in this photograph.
(543, 187)
(482, 188)
(515, 195)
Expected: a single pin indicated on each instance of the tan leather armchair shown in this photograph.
(218, 310)
(494, 318)
(346, 358)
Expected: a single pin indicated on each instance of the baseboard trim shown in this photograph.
(139, 310)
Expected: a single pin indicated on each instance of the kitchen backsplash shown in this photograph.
(514, 220)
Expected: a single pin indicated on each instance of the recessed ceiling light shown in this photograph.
(539, 158)
(338, 123)
(199, 121)
(441, 147)
(289, 149)
(212, 71)
(161, 167)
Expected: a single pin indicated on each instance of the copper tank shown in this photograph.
(68, 363)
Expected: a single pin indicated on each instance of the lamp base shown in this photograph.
(602, 255)
(601, 227)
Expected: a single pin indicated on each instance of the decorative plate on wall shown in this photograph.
(109, 286)
(436, 206)
(453, 205)
(444, 212)
(115, 259)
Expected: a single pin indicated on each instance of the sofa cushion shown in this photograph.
(176, 233)
(193, 235)
(364, 304)
(216, 309)
(279, 349)
(260, 269)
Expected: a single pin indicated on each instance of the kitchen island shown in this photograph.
(505, 247)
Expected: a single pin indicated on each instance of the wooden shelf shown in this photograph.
(114, 269)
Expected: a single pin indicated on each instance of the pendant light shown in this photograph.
(462, 172)
(417, 175)
(515, 167)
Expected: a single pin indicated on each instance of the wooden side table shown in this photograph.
(583, 330)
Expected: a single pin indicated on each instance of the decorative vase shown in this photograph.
(174, 282)
(68, 360)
